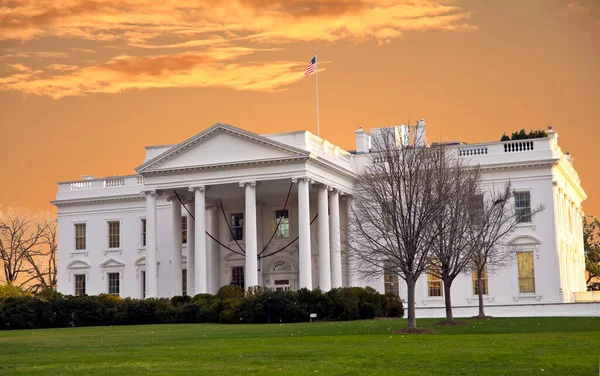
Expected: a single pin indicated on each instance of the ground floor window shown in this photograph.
(184, 282)
(237, 276)
(79, 284)
(113, 283)
(390, 279)
(282, 284)
(484, 281)
(434, 283)
(526, 272)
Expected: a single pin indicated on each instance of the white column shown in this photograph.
(201, 278)
(250, 235)
(191, 249)
(352, 277)
(213, 249)
(335, 239)
(151, 245)
(324, 256)
(304, 253)
(176, 247)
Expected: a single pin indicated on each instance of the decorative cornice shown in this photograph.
(94, 200)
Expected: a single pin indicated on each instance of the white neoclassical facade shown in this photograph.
(230, 206)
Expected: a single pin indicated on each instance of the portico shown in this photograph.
(289, 212)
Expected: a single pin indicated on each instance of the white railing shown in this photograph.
(80, 185)
(113, 182)
(517, 146)
(472, 150)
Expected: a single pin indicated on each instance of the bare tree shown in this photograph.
(451, 250)
(42, 259)
(19, 235)
(396, 201)
(491, 222)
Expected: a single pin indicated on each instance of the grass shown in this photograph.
(499, 346)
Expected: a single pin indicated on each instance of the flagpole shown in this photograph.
(317, 88)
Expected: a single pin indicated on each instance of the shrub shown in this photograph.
(10, 291)
(230, 292)
(392, 306)
(50, 309)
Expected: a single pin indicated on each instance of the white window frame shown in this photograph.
(75, 283)
(519, 191)
(84, 249)
(107, 274)
(230, 224)
(142, 234)
(289, 230)
(107, 236)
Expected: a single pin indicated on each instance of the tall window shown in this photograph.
(237, 226)
(390, 279)
(484, 281)
(114, 234)
(80, 236)
(526, 272)
(79, 284)
(113, 283)
(184, 229)
(523, 207)
(143, 232)
(282, 217)
(184, 282)
(434, 283)
(143, 274)
(237, 276)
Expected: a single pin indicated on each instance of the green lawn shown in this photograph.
(548, 346)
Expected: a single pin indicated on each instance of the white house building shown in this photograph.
(230, 206)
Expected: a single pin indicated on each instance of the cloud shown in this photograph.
(274, 21)
(217, 68)
(198, 43)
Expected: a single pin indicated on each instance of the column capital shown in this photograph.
(302, 178)
(211, 206)
(195, 188)
(150, 192)
(251, 183)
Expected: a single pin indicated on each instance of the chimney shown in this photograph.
(419, 138)
(404, 135)
(363, 141)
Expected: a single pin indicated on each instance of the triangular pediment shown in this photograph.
(112, 263)
(221, 145)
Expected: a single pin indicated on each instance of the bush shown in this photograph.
(230, 292)
(50, 309)
(522, 135)
(10, 291)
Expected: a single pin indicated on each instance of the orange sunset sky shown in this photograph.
(86, 84)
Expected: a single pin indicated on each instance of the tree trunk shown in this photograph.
(412, 320)
(480, 293)
(448, 300)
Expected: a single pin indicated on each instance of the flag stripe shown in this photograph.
(311, 67)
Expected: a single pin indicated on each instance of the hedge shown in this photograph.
(229, 306)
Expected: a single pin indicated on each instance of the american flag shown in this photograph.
(311, 66)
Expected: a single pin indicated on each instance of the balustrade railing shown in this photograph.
(516, 146)
(112, 182)
(80, 185)
(472, 150)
